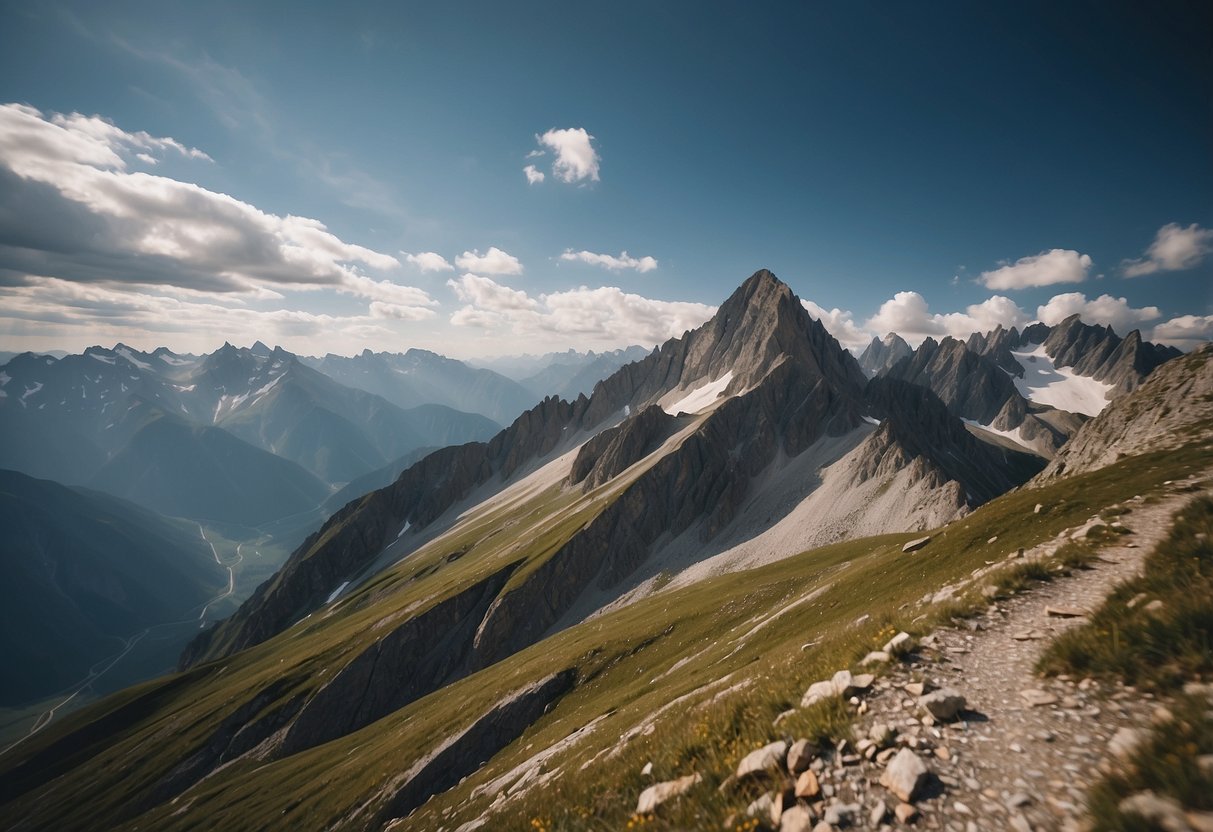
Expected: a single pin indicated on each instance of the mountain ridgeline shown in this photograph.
(487, 577)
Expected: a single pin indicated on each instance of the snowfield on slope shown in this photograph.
(1045, 383)
(697, 399)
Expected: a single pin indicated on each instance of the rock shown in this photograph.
(817, 692)
(659, 793)
(840, 814)
(823, 827)
(1020, 824)
(1164, 812)
(862, 682)
(1153, 606)
(993, 539)
(1037, 698)
(914, 688)
(900, 643)
(1066, 612)
(800, 756)
(884, 756)
(647, 770)
(796, 819)
(790, 712)
(1124, 742)
(989, 592)
(1039, 508)
(1018, 801)
(916, 544)
(807, 785)
(878, 813)
(881, 734)
(842, 682)
(1136, 599)
(876, 657)
(905, 812)
(760, 808)
(943, 704)
(763, 761)
(905, 775)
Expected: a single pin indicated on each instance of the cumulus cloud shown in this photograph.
(429, 261)
(839, 323)
(908, 314)
(1057, 265)
(71, 209)
(602, 317)
(576, 159)
(1104, 310)
(1185, 332)
(493, 261)
(533, 175)
(609, 261)
(1175, 248)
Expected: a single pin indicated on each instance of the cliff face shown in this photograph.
(883, 353)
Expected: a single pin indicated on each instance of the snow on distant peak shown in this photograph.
(126, 353)
(1045, 383)
(1015, 436)
(697, 399)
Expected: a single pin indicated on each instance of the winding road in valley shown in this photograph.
(107, 664)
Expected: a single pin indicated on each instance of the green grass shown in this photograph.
(685, 646)
(1157, 649)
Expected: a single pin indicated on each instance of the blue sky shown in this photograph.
(932, 168)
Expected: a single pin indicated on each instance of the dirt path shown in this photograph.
(1009, 763)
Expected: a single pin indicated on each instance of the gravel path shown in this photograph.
(1012, 761)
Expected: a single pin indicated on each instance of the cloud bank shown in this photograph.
(608, 261)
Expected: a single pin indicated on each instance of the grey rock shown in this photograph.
(916, 544)
(762, 762)
(943, 704)
(905, 775)
(659, 793)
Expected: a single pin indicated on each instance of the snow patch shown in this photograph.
(1015, 436)
(5, 378)
(336, 592)
(697, 399)
(173, 360)
(125, 353)
(104, 359)
(403, 529)
(29, 391)
(871, 421)
(1045, 383)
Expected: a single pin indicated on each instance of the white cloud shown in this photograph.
(1058, 265)
(494, 261)
(72, 210)
(429, 261)
(608, 261)
(533, 175)
(604, 317)
(908, 314)
(576, 159)
(1185, 331)
(840, 324)
(1175, 248)
(1104, 310)
(487, 294)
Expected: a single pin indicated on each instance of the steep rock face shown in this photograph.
(883, 353)
(1172, 407)
(416, 658)
(615, 449)
(463, 753)
(917, 425)
(972, 386)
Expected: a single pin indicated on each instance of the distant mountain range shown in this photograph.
(565, 375)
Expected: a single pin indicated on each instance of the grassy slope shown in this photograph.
(624, 661)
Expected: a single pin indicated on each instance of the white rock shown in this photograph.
(817, 692)
(648, 769)
(800, 755)
(796, 819)
(876, 657)
(841, 682)
(916, 544)
(1125, 741)
(943, 704)
(659, 793)
(904, 775)
(1162, 811)
(897, 643)
(765, 759)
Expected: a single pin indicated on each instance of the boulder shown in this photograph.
(807, 785)
(796, 819)
(943, 704)
(817, 692)
(916, 544)
(899, 643)
(876, 657)
(761, 762)
(1163, 812)
(800, 755)
(905, 775)
(659, 793)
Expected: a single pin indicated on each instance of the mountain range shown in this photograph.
(432, 655)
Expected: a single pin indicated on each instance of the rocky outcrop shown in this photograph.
(1173, 407)
(462, 754)
(971, 385)
(917, 427)
(418, 657)
(883, 353)
(615, 449)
